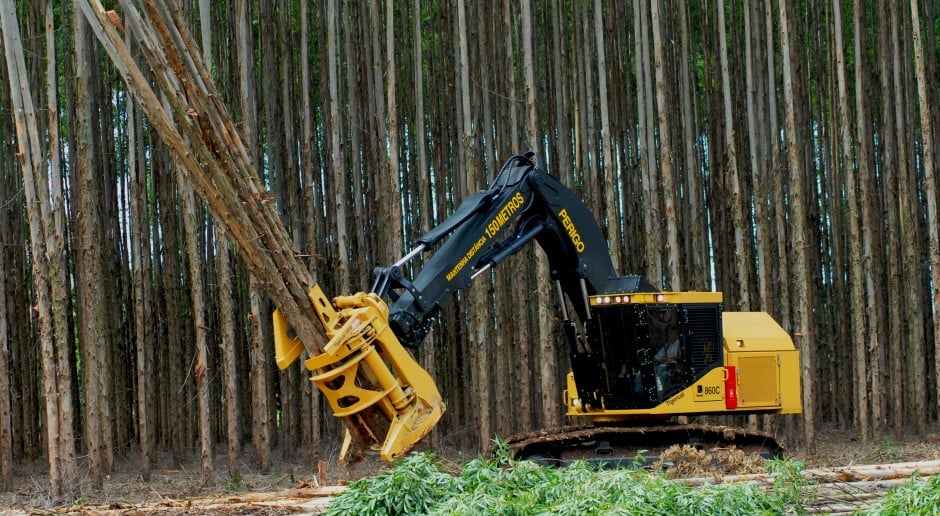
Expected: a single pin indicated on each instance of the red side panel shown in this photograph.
(731, 387)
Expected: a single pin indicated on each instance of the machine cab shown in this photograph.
(642, 348)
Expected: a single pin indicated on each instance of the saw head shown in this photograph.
(387, 401)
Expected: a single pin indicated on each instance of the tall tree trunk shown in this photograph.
(337, 169)
(856, 292)
(395, 221)
(311, 402)
(546, 326)
(911, 261)
(191, 219)
(612, 208)
(737, 198)
(28, 140)
(229, 360)
(803, 335)
(140, 224)
(675, 280)
(930, 184)
(58, 268)
(522, 333)
(762, 242)
(261, 431)
(869, 216)
(95, 341)
(697, 254)
(197, 293)
(6, 430)
(889, 191)
(782, 279)
(647, 147)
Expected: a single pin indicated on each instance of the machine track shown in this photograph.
(623, 446)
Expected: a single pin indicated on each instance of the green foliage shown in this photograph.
(920, 496)
(887, 450)
(413, 486)
(793, 489)
(232, 484)
(501, 485)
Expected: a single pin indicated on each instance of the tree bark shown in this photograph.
(912, 267)
(95, 340)
(229, 361)
(930, 184)
(737, 198)
(673, 272)
(193, 248)
(650, 198)
(803, 335)
(889, 191)
(6, 431)
(140, 230)
(869, 265)
(697, 255)
(856, 287)
(28, 139)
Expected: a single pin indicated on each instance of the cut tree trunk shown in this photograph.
(214, 157)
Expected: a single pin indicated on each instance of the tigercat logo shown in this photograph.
(571, 230)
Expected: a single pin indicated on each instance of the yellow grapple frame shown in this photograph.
(367, 376)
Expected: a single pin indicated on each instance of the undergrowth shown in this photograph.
(419, 484)
(919, 496)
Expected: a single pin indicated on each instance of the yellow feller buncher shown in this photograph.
(638, 356)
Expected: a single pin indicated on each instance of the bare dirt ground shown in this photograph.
(303, 485)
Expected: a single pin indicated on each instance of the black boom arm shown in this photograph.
(524, 203)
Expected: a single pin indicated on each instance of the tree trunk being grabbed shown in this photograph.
(395, 220)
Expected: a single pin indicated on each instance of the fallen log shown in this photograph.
(844, 474)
